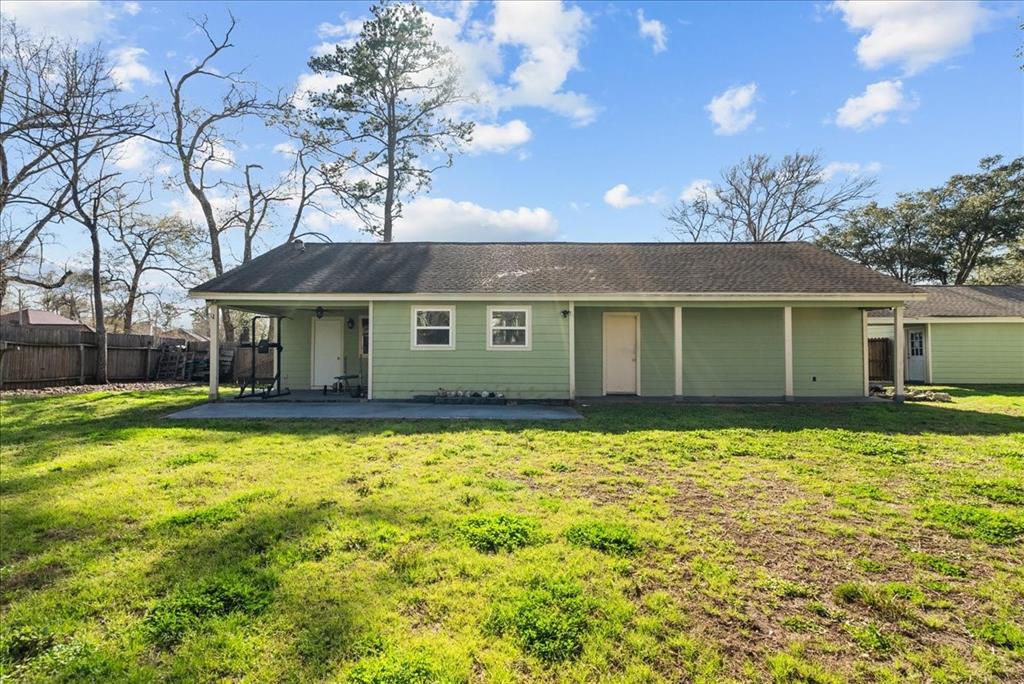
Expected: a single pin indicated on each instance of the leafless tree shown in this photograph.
(197, 138)
(143, 246)
(758, 200)
(97, 191)
(39, 92)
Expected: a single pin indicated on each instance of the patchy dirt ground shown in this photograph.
(646, 543)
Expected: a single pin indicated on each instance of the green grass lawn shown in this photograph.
(645, 543)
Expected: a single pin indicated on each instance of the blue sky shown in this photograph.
(577, 100)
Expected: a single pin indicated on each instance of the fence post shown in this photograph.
(81, 363)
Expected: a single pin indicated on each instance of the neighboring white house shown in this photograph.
(967, 334)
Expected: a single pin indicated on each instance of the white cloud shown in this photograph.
(315, 83)
(619, 197)
(500, 137)
(732, 112)
(914, 35)
(549, 36)
(698, 189)
(128, 69)
(285, 149)
(445, 219)
(84, 20)
(874, 106)
(131, 8)
(539, 40)
(132, 154)
(653, 29)
(836, 168)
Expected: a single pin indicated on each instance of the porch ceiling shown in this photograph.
(289, 309)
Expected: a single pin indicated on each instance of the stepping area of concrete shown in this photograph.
(373, 410)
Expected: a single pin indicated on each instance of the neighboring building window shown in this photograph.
(364, 336)
(508, 327)
(433, 328)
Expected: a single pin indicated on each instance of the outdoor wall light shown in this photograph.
(350, 323)
(565, 313)
(319, 312)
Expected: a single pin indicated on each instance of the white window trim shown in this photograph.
(489, 323)
(450, 327)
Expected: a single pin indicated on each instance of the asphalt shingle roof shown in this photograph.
(552, 268)
(984, 301)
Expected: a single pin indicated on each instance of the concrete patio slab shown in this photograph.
(374, 411)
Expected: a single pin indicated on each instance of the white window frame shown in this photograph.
(489, 323)
(414, 310)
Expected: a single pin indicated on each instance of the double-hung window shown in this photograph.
(508, 328)
(433, 327)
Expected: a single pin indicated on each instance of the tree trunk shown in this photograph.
(97, 303)
(389, 193)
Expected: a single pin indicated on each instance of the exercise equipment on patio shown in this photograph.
(250, 386)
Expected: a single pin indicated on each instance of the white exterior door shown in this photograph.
(326, 351)
(621, 333)
(917, 362)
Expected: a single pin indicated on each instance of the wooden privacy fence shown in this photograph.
(880, 359)
(44, 357)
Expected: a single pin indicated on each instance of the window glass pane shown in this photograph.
(508, 319)
(508, 338)
(433, 318)
(432, 336)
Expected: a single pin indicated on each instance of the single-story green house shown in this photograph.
(966, 334)
(563, 321)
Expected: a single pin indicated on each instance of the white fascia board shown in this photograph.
(887, 320)
(588, 296)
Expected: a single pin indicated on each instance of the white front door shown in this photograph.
(326, 351)
(620, 353)
(917, 362)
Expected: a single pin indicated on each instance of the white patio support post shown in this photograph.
(572, 350)
(679, 350)
(214, 315)
(928, 351)
(369, 354)
(867, 361)
(898, 353)
(787, 336)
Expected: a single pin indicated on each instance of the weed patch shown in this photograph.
(938, 564)
(173, 616)
(1003, 634)
(1000, 491)
(549, 618)
(613, 538)
(415, 667)
(986, 524)
(500, 532)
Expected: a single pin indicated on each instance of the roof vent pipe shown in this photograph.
(299, 245)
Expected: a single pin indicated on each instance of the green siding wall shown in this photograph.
(540, 373)
(657, 350)
(828, 352)
(296, 336)
(977, 352)
(733, 352)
